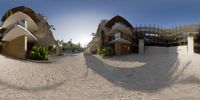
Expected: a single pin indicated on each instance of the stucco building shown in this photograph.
(117, 33)
(124, 38)
(21, 29)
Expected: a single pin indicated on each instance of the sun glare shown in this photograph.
(77, 26)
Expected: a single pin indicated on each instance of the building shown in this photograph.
(124, 38)
(116, 32)
(21, 29)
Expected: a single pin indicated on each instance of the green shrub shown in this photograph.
(191, 34)
(105, 51)
(99, 50)
(38, 53)
(51, 50)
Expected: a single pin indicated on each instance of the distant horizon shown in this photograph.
(77, 19)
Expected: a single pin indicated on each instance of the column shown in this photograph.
(190, 45)
(141, 46)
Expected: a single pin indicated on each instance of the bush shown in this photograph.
(191, 34)
(99, 50)
(105, 51)
(38, 53)
(51, 50)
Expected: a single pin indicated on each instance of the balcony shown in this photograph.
(17, 30)
(118, 38)
(21, 19)
(120, 27)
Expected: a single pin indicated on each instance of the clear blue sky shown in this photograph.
(77, 19)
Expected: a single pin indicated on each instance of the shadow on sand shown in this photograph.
(152, 76)
(13, 58)
(36, 88)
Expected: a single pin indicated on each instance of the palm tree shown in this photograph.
(46, 18)
(52, 27)
(93, 34)
(43, 16)
(60, 42)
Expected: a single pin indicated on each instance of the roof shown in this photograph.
(23, 9)
(118, 18)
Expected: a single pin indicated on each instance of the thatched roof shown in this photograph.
(23, 9)
(118, 18)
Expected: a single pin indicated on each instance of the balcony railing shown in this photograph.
(19, 23)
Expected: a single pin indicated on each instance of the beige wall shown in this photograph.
(16, 48)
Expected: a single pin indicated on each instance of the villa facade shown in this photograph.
(21, 29)
(117, 33)
(125, 38)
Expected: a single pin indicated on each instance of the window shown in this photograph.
(117, 35)
(22, 23)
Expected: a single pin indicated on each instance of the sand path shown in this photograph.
(79, 77)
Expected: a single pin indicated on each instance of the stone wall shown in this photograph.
(16, 48)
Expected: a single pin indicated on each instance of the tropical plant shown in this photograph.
(52, 49)
(105, 51)
(71, 46)
(93, 35)
(43, 16)
(38, 53)
(52, 27)
(99, 50)
(46, 19)
(191, 34)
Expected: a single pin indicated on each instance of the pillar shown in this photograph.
(141, 46)
(190, 45)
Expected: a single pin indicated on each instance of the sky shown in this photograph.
(78, 19)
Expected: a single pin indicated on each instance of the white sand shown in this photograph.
(79, 77)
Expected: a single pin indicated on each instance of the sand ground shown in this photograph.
(89, 77)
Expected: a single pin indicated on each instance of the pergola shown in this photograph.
(157, 36)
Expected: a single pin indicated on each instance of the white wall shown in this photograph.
(190, 45)
(14, 18)
(186, 49)
(166, 50)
